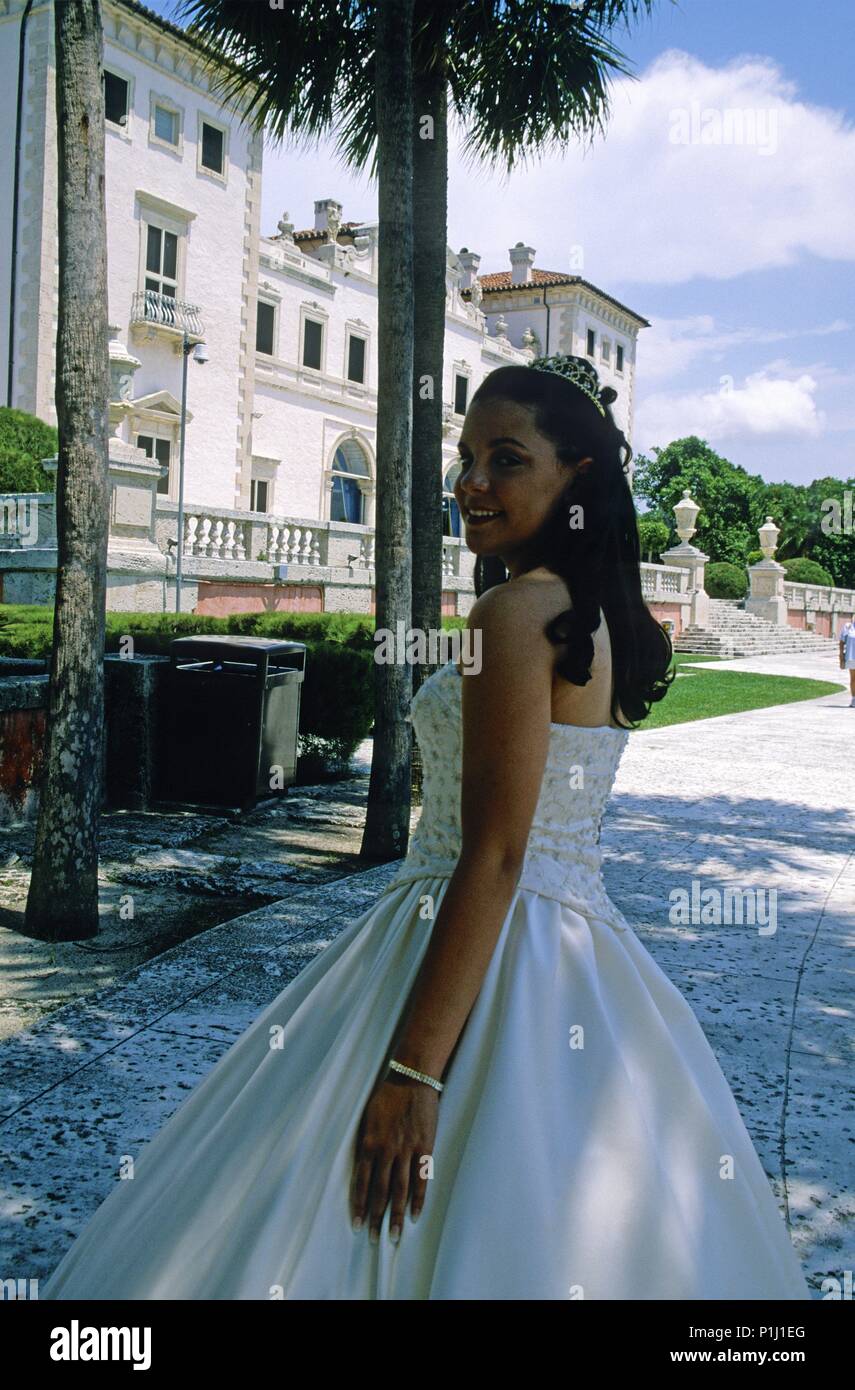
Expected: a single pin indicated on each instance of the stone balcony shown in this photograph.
(168, 317)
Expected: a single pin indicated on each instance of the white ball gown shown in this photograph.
(588, 1143)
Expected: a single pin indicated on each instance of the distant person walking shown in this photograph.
(847, 656)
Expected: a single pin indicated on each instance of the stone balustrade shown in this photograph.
(451, 557)
(817, 608)
(214, 537)
(27, 520)
(664, 582)
(294, 545)
(817, 597)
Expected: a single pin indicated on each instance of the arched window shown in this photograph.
(450, 509)
(347, 502)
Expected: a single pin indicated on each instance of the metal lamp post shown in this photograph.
(200, 355)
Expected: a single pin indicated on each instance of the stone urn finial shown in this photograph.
(769, 538)
(686, 512)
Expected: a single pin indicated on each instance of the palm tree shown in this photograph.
(520, 75)
(63, 897)
(387, 821)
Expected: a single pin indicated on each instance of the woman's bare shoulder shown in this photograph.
(514, 611)
(544, 591)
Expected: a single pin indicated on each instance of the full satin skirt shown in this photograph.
(588, 1145)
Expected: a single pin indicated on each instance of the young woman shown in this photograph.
(484, 1088)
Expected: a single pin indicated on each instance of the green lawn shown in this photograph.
(698, 694)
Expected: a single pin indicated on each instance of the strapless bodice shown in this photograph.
(562, 858)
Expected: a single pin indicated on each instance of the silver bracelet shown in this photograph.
(416, 1075)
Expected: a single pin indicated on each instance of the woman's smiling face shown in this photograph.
(507, 468)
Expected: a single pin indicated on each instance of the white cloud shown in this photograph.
(761, 406)
(644, 208)
(671, 346)
(641, 207)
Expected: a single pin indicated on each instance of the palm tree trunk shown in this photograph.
(388, 815)
(430, 241)
(63, 899)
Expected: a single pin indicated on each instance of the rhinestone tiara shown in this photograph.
(576, 370)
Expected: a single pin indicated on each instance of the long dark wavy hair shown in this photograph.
(599, 561)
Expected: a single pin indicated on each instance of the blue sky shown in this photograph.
(720, 206)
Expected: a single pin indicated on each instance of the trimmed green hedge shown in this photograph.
(337, 696)
(724, 580)
(24, 442)
(804, 571)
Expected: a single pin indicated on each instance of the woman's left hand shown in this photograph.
(396, 1135)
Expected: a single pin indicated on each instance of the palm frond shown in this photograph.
(525, 76)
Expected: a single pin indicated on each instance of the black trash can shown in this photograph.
(230, 720)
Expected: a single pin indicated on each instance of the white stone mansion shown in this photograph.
(282, 418)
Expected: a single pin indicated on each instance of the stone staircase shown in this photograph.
(731, 632)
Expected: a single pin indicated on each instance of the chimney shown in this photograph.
(470, 260)
(327, 210)
(522, 260)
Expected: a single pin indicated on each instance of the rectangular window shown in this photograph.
(264, 327)
(258, 495)
(115, 98)
(356, 359)
(592, 342)
(161, 450)
(212, 148)
(619, 358)
(606, 350)
(166, 125)
(461, 393)
(161, 261)
(312, 331)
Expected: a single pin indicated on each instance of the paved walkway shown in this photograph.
(166, 876)
(762, 800)
(818, 666)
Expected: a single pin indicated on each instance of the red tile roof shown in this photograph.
(500, 283)
(312, 233)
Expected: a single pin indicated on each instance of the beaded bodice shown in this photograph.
(562, 857)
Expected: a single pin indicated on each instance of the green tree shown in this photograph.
(730, 499)
(831, 538)
(788, 504)
(653, 536)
